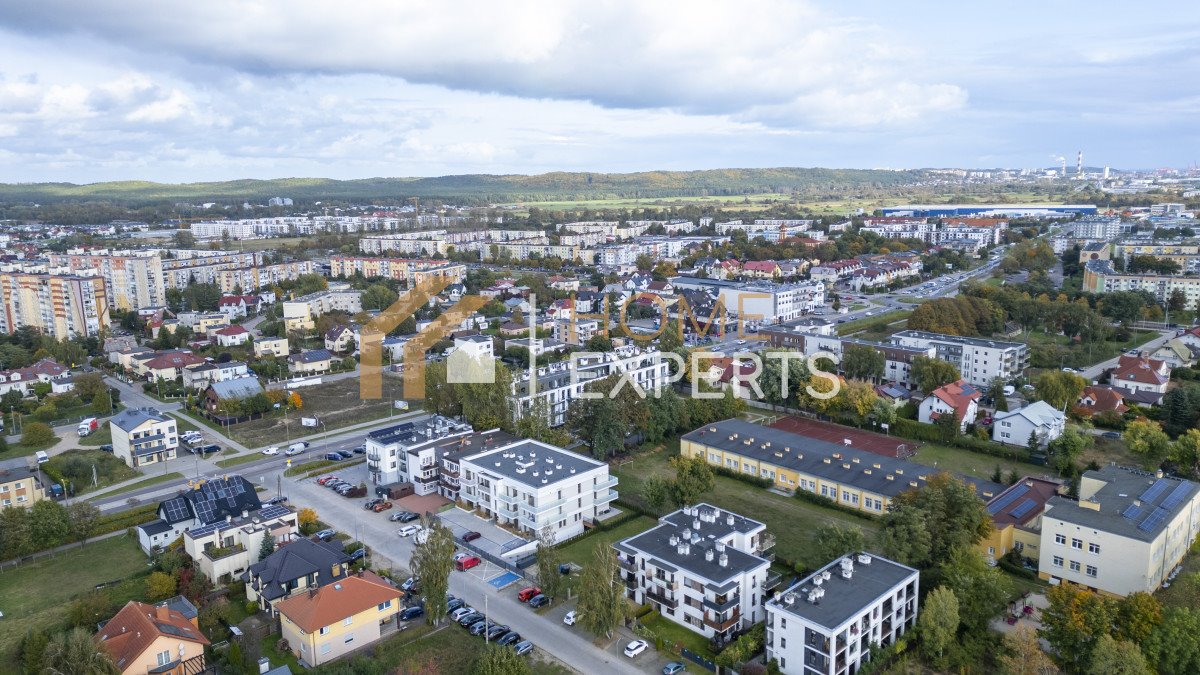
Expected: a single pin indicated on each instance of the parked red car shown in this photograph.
(382, 506)
(325, 479)
(467, 563)
(526, 593)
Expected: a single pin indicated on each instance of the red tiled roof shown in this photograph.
(135, 628)
(230, 331)
(334, 602)
(1140, 369)
(957, 395)
(176, 360)
(1102, 399)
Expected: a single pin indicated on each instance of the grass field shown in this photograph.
(77, 466)
(748, 202)
(972, 463)
(792, 521)
(153, 480)
(239, 459)
(1081, 355)
(336, 404)
(579, 552)
(102, 436)
(673, 634)
(37, 594)
(862, 324)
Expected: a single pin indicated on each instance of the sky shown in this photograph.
(181, 91)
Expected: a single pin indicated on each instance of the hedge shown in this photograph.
(929, 433)
(821, 500)
(631, 513)
(756, 481)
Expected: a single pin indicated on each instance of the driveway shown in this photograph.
(571, 645)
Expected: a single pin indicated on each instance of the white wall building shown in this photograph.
(560, 383)
(827, 622)
(144, 436)
(979, 360)
(1039, 418)
(701, 567)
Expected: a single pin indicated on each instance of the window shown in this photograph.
(325, 648)
(1058, 561)
(782, 643)
(991, 550)
(385, 605)
(1091, 570)
(1060, 539)
(1077, 544)
(324, 630)
(1074, 565)
(164, 658)
(1094, 548)
(348, 620)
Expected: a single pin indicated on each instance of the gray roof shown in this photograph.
(238, 388)
(533, 463)
(844, 598)
(1133, 504)
(311, 356)
(701, 537)
(129, 420)
(957, 339)
(858, 468)
(296, 560)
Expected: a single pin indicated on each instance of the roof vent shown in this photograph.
(789, 598)
(695, 523)
(723, 560)
(864, 559)
(729, 520)
(708, 555)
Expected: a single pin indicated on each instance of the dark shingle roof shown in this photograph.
(296, 560)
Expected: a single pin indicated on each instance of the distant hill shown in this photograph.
(477, 188)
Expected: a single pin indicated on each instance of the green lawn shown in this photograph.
(792, 521)
(185, 423)
(239, 459)
(580, 550)
(672, 635)
(81, 466)
(153, 480)
(972, 463)
(1078, 355)
(448, 649)
(102, 436)
(37, 594)
(22, 450)
(866, 322)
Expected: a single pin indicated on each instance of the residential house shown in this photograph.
(339, 339)
(142, 436)
(561, 283)
(271, 347)
(238, 389)
(232, 336)
(1140, 379)
(333, 620)
(762, 269)
(829, 622)
(294, 568)
(236, 307)
(957, 398)
(1126, 533)
(1097, 399)
(204, 502)
(166, 365)
(45, 371)
(164, 638)
(1177, 353)
(201, 375)
(513, 329)
(576, 331)
(1038, 419)
(19, 484)
(225, 549)
(311, 362)
(561, 310)
(518, 305)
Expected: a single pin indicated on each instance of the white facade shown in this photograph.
(533, 486)
(1038, 418)
(701, 567)
(978, 360)
(144, 436)
(826, 623)
(560, 383)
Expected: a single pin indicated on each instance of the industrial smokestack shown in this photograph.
(1079, 164)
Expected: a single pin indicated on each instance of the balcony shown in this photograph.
(627, 564)
(660, 597)
(374, 457)
(730, 602)
(630, 580)
(215, 553)
(773, 581)
(722, 626)
(607, 497)
(610, 483)
(766, 541)
(506, 499)
(426, 479)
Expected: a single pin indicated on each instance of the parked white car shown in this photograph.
(273, 450)
(408, 530)
(634, 648)
(569, 619)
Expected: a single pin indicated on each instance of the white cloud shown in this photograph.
(173, 107)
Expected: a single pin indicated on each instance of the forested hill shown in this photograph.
(479, 188)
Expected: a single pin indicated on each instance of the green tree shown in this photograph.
(1110, 657)
(267, 547)
(160, 586)
(1023, 654)
(949, 512)
(432, 561)
(905, 537)
(982, 591)
(1067, 449)
(601, 596)
(1147, 439)
(598, 343)
(37, 434)
(938, 623)
(1137, 616)
(1058, 388)
(500, 660)
(1074, 620)
(1185, 452)
(33, 651)
(83, 517)
(693, 479)
(860, 362)
(548, 560)
(831, 541)
(655, 492)
(644, 263)
(49, 524)
(931, 373)
(15, 539)
(1174, 645)
(75, 653)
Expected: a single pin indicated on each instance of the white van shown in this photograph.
(42, 457)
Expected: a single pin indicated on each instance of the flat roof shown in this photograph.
(852, 467)
(870, 577)
(533, 463)
(958, 339)
(684, 538)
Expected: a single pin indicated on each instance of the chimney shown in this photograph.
(1158, 474)
(264, 665)
(724, 560)
(162, 612)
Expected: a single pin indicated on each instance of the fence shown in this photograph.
(698, 660)
(494, 559)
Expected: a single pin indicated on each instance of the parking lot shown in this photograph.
(494, 540)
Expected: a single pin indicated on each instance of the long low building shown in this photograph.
(851, 477)
(1099, 276)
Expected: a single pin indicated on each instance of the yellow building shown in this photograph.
(163, 638)
(338, 618)
(1017, 518)
(851, 477)
(19, 485)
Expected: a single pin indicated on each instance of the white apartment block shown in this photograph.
(1126, 533)
(261, 276)
(531, 486)
(1099, 276)
(560, 383)
(142, 436)
(979, 360)
(59, 305)
(406, 452)
(1097, 227)
(701, 567)
(409, 270)
(302, 312)
(826, 623)
(764, 303)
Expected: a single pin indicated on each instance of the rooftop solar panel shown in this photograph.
(1177, 495)
(1025, 507)
(1154, 520)
(1006, 499)
(1155, 490)
(1132, 512)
